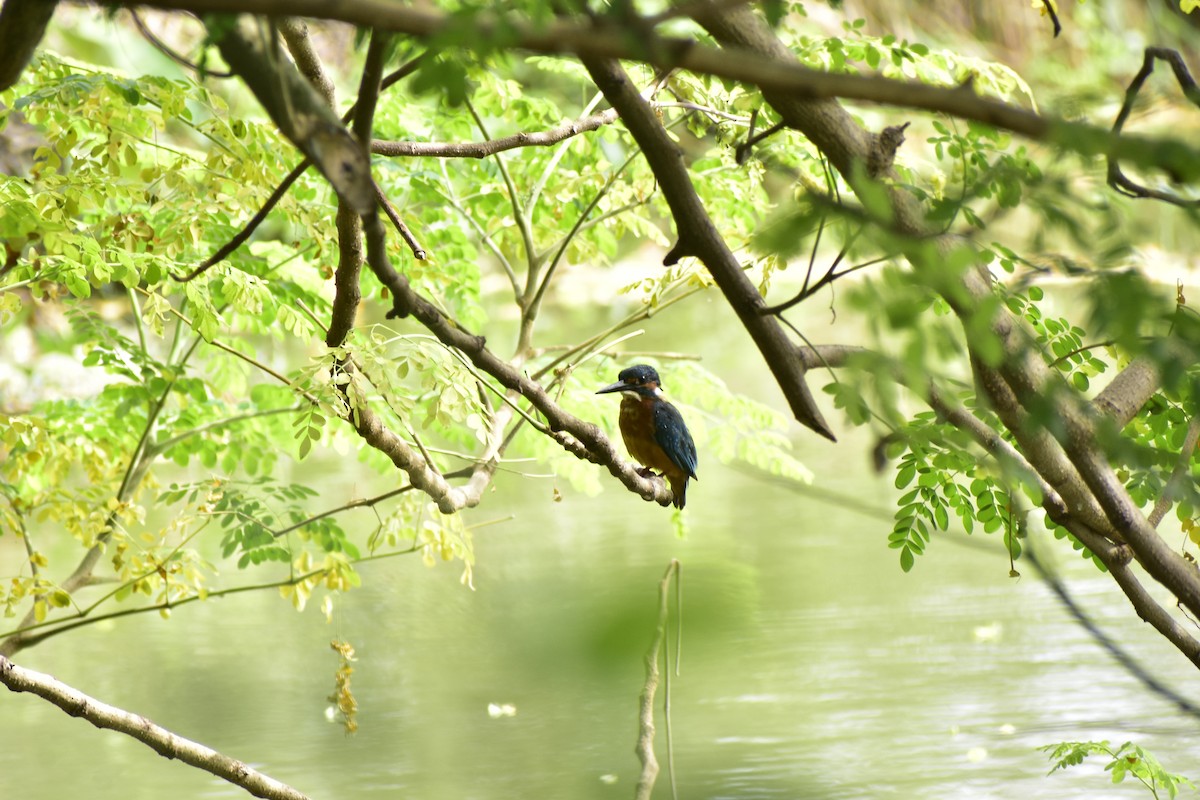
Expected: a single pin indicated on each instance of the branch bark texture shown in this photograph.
(22, 26)
(699, 237)
(751, 67)
(159, 739)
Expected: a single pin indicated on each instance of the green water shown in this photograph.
(812, 666)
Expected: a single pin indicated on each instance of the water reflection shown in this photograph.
(812, 666)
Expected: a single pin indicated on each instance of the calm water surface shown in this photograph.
(812, 666)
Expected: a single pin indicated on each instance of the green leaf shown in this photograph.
(905, 475)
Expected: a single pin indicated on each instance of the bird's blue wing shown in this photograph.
(673, 437)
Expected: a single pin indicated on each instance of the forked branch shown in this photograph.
(1117, 178)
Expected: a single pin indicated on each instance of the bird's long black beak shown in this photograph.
(619, 386)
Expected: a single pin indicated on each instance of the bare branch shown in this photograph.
(299, 44)
(1117, 178)
(397, 223)
(162, 741)
(421, 474)
(251, 225)
(492, 146)
(347, 292)
(646, 731)
(166, 50)
(523, 222)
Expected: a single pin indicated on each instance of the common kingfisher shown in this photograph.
(653, 429)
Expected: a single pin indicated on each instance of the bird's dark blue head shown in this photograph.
(640, 379)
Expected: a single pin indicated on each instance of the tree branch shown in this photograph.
(1117, 178)
(492, 146)
(22, 26)
(771, 73)
(299, 44)
(699, 237)
(162, 741)
(394, 216)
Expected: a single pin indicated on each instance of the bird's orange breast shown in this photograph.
(637, 429)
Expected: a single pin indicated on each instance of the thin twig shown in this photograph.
(1117, 178)
(646, 730)
(491, 147)
(166, 50)
(743, 150)
(518, 212)
(406, 234)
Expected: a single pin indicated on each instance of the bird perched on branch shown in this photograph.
(653, 429)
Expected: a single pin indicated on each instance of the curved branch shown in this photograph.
(159, 739)
(166, 50)
(1117, 178)
(251, 225)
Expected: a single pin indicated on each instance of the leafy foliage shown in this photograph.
(206, 395)
(172, 473)
(1128, 760)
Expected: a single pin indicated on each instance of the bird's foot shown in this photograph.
(646, 472)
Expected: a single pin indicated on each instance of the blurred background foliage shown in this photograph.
(165, 421)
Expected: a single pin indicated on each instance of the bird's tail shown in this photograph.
(679, 489)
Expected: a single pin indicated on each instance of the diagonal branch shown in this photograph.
(300, 113)
(699, 237)
(159, 739)
(295, 34)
